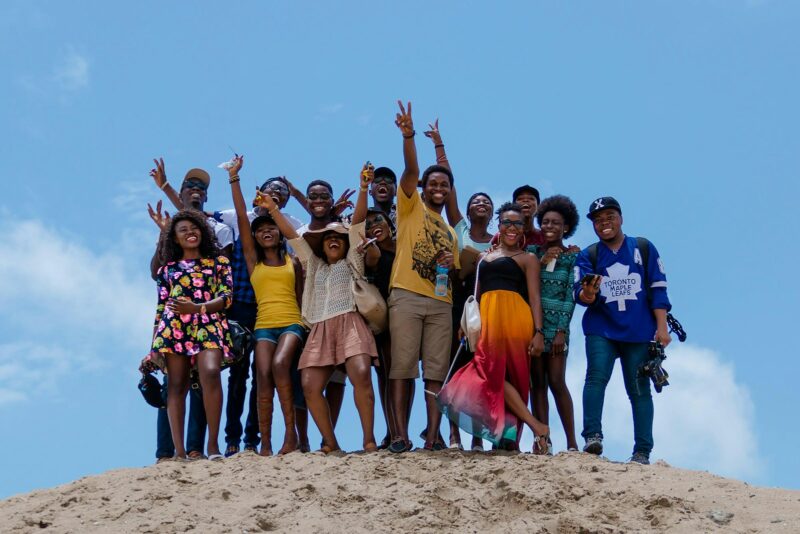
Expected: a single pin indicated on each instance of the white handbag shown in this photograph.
(471, 316)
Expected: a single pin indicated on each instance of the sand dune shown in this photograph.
(415, 492)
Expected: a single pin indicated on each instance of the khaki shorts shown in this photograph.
(420, 326)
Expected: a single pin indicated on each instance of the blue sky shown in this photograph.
(685, 111)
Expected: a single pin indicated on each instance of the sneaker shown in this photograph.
(640, 458)
(594, 445)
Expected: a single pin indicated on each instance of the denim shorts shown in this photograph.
(273, 334)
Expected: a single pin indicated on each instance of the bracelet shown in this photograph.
(441, 158)
(233, 179)
(538, 331)
(165, 184)
(203, 309)
(363, 189)
(413, 133)
(440, 145)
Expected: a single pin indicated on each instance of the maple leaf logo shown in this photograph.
(620, 285)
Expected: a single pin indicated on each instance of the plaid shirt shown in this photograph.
(242, 290)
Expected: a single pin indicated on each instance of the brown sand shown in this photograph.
(415, 492)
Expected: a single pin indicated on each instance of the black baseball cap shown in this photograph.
(386, 171)
(525, 189)
(151, 391)
(603, 203)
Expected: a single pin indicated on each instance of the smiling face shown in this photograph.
(511, 224)
(480, 207)
(528, 203)
(377, 226)
(187, 235)
(279, 192)
(334, 246)
(607, 224)
(383, 190)
(267, 235)
(193, 193)
(437, 189)
(320, 201)
(553, 227)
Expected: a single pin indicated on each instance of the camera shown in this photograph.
(652, 367)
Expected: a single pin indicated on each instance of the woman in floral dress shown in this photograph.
(194, 287)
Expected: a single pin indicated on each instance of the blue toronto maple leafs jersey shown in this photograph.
(621, 310)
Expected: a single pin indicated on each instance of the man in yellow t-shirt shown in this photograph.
(420, 320)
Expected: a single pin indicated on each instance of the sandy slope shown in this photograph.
(415, 492)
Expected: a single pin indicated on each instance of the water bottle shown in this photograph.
(441, 281)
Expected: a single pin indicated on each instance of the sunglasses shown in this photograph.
(509, 222)
(194, 184)
(375, 220)
(278, 188)
(383, 180)
(319, 196)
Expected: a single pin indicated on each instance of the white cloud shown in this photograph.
(74, 309)
(72, 73)
(703, 419)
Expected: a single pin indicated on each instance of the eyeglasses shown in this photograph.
(509, 222)
(278, 188)
(319, 196)
(191, 183)
(375, 220)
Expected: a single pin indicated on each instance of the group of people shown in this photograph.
(291, 284)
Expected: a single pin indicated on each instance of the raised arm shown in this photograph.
(454, 215)
(159, 175)
(266, 202)
(242, 220)
(298, 196)
(410, 177)
(360, 211)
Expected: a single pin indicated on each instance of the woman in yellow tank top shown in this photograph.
(277, 280)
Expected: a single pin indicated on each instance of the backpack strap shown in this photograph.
(644, 251)
(592, 250)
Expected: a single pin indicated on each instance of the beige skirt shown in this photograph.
(334, 340)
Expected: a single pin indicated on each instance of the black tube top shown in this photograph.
(503, 273)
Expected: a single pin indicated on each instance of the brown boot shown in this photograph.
(264, 403)
(286, 398)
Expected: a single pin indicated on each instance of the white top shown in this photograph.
(328, 290)
(223, 232)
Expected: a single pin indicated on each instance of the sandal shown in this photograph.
(399, 446)
(371, 447)
(196, 455)
(541, 444)
(230, 450)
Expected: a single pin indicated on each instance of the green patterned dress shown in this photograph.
(557, 300)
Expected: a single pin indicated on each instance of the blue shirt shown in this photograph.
(622, 310)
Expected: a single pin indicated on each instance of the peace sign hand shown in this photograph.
(162, 221)
(159, 174)
(403, 120)
(433, 133)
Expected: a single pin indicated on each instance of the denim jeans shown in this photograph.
(196, 433)
(600, 355)
(244, 314)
